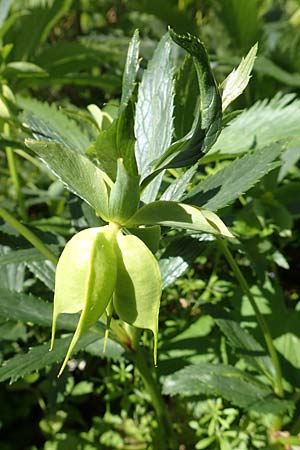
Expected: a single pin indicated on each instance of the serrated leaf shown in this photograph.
(44, 271)
(76, 171)
(175, 190)
(39, 357)
(179, 215)
(265, 123)
(138, 288)
(85, 279)
(238, 79)
(131, 69)
(12, 276)
(217, 380)
(222, 188)
(19, 256)
(27, 308)
(49, 124)
(207, 124)
(154, 112)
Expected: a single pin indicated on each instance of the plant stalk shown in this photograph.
(12, 166)
(168, 440)
(27, 234)
(278, 386)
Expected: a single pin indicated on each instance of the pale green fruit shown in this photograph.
(139, 286)
(85, 279)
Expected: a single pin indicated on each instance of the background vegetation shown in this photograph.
(71, 55)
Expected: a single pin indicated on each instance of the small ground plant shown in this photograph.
(146, 182)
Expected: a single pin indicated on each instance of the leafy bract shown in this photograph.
(85, 279)
(114, 143)
(220, 189)
(76, 171)
(47, 123)
(138, 288)
(207, 124)
(131, 69)
(124, 196)
(179, 215)
(265, 123)
(154, 111)
(238, 79)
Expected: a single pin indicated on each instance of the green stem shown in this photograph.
(31, 237)
(168, 440)
(278, 387)
(12, 166)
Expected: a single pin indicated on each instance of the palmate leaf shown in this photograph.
(265, 123)
(222, 188)
(76, 171)
(47, 123)
(217, 380)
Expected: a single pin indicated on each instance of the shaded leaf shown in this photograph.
(222, 188)
(207, 124)
(217, 380)
(39, 357)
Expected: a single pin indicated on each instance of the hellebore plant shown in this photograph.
(112, 269)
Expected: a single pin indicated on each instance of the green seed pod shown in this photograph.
(139, 286)
(85, 279)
